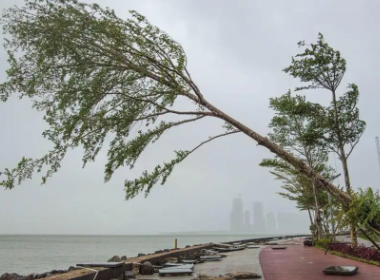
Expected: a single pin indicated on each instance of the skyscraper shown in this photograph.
(258, 217)
(247, 221)
(237, 221)
(271, 225)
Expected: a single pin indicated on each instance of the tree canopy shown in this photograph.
(94, 75)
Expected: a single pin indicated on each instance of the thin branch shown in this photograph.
(213, 138)
(353, 146)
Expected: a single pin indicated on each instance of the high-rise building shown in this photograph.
(258, 217)
(271, 225)
(237, 220)
(247, 221)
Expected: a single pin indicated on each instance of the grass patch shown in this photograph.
(339, 254)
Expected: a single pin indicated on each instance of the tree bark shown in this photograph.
(310, 217)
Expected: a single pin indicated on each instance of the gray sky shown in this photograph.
(236, 51)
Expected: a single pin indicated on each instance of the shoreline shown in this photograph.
(75, 272)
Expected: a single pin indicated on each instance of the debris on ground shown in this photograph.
(170, 260)
(185, 269)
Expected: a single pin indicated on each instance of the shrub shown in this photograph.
(368, 253)
(323, 242)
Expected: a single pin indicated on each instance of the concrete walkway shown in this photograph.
(240, 261)
(307, 263)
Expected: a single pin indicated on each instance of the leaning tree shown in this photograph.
(339, 125)
(94, 75)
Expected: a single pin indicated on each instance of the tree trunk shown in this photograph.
(343, 159)
(310, 217)
(354, 238)
(318, 221)
(299, 164)
(311, 224)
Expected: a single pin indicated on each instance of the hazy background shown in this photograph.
(236, 51)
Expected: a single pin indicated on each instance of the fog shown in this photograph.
(236, 52)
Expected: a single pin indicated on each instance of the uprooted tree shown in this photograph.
(94, 74)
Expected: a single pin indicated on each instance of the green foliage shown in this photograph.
(298, 187)
(336, 127)
(95, 75)
(292, 128)
(339, 124)
(322, 243)
(319, 65)
(364, 208)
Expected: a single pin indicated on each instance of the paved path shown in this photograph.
(240, 261)
(307, 263)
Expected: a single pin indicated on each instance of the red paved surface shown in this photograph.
(307, 263)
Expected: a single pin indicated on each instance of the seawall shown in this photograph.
(155, 259)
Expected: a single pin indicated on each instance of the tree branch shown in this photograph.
(213, 138)
(353, 146)
(166, 109)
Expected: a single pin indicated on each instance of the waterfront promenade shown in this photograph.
(296, 263)
(307, 263)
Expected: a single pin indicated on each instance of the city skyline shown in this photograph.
(257, 220)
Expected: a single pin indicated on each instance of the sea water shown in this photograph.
(25, 254)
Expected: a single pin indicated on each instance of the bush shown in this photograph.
(370, 254)
(323, 242)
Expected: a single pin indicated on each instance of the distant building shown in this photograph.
(271, 225)
(247, 221)
(237, 219)
(258, 217)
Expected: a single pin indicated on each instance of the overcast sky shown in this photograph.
(236, 51)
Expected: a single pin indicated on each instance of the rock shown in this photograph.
(55, 271)
(141, 255)
(147, 269)
(71, 268)
(123, 258)
(114, 259)
(11, 276)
